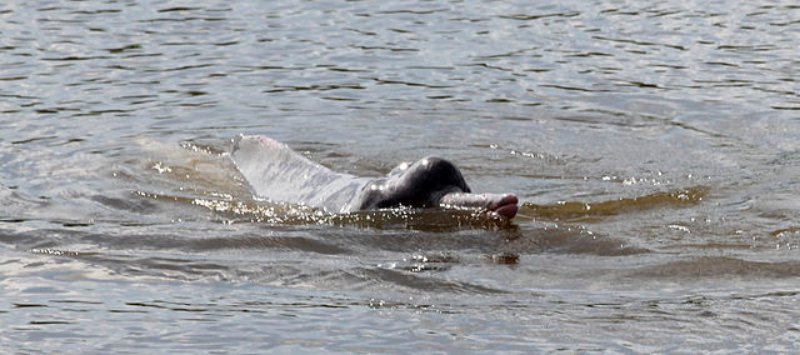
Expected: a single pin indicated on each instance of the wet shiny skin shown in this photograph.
(504, 205)
(279, 174)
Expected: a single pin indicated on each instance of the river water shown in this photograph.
(653, 144)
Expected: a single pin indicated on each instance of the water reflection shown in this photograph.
(654, 146)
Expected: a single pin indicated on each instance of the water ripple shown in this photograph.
(125, 228)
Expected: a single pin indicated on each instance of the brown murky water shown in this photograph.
(654, 146)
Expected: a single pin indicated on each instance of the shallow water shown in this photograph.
(652, 144)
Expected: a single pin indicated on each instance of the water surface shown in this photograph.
(653, 144)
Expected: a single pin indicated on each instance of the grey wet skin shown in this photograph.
(422, 185)
(276, 172)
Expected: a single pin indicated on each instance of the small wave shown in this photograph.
(262, 242)
(440, 220)
(587, 212)
(385, 278)
(717, 266)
